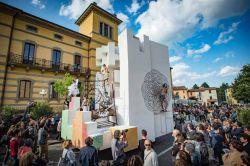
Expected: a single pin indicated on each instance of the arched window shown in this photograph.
(28, 54)
(24, 89)
(56, 58)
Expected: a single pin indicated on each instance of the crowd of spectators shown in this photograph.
(210, 136)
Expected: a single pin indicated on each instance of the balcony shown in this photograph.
(46, 65)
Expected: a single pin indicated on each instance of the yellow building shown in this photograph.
(205, 96)
(34, 52)
(180, 92)
(229, 97)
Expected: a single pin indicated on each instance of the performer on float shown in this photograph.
(85, 106)
(163, 96)
(105, 72)
(73, 88)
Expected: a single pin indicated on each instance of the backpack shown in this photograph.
(204, 154)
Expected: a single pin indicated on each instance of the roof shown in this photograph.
(179, 88)
(93, 6)
(20, 12)
(201, 89)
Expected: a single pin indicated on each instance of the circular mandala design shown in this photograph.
(151, 88)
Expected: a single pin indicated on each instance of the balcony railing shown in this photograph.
(46, 65)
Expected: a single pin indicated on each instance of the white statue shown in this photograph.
(73, 88)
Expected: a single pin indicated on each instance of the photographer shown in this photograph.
(118, 144)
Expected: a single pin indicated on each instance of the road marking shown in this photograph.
(164, 151)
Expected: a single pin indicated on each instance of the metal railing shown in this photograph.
(19, 60)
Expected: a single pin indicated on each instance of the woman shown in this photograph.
(135, 161)
(233, 158)
(68, 155)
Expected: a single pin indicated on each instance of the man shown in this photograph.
(88, 154)
(43, 141)
(117, 147)
(237, 130)
(141, 146)
(163, 96)
(191, 131)
(245, 140)
(150, 157)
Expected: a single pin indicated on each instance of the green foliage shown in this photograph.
(244, 116)
(195, 86)
(8, 113)
(61, 86)
(204, 85)
(241, 85)
(221, 92)
(41, 109)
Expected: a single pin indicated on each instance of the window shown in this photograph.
(31, 28)
(58, 37)
(209, 90)
(24, 89)
(105, 30)
(52, 93)
(211, 98)
(28, 54)
(78, 43)
(56, 57)
(77, 65)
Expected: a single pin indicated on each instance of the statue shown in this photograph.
(73, 88)
(105, 72)
(163, 96)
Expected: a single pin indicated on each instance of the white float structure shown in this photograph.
(131, 61)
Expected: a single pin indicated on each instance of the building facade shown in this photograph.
(229, 97)
(34, 52)
(205, 96)
(180, 92)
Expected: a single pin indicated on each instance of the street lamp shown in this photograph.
(43, 93)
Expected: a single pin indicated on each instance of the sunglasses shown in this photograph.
(147, 144)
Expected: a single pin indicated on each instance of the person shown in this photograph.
(73, 88)
(141, 146)
(105, 72)
(191, 131)
(27, 159)
(68, 155)
(88, 154)
(117, 148)
(14, 147)
(217, 143)
(150, 157)
(85, 104)
(234, 157)
(163, 97)
(59, 127)
(190, 149)
(66, 104)
(43, 141)
(237, 130)
(27, 147)
(184, 159)
(91, 104)
(135, 160)
(245, 140)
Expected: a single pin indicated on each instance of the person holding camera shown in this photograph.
(118, 143)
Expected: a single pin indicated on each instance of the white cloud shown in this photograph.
(38, 3)
(179, 82)
(171, 21)
(229, 54)
(217, 59)
(174, 59)
(135, 6)
(182, 71)
(228, 71)
(225, 36)
(203, 49)
(125, 21)
(77, 7)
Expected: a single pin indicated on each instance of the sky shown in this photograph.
(208, 40)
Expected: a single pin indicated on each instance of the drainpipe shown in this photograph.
(88, 69)
(7, 60)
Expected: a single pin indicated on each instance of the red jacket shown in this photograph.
(13, 147)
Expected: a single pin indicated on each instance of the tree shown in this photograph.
(241, 85)
(195, 86)
(61, 86)
(204, 85)
(221, 92)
